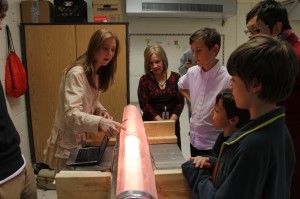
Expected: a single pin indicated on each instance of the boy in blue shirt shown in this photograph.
(227, 116)
(257, 161)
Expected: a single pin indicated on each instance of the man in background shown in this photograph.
(186, 61)
(16, 176)
(271, 18)
(3, 7)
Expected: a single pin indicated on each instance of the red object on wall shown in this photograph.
(100, 18)
(15, 74)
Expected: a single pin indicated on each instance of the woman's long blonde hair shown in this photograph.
(160, 52)
(87, 60)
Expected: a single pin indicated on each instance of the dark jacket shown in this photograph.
(256, 162)
(292, 113)
(10, 153)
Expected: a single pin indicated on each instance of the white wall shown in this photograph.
(180, 26)
(232, 29)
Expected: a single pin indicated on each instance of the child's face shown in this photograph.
(219, 116)
(156, 64)
(240, 93)
(203, 56)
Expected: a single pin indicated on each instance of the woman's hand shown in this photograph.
(105, 114)
(110, 127)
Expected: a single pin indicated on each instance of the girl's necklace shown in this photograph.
(161, 85)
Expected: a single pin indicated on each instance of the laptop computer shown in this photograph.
(88, 156)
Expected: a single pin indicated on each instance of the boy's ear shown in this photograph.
(234, 120)
(255, 86)
(277, 28)
(216, 49)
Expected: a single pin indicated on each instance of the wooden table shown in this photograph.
(93, 183)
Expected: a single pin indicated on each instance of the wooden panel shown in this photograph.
(115, 98)
(157, 132)
(166, 156)
(49, 50)
(162, 140)
(172, 184)
(159, 128)
(83, 184)
(95, 140)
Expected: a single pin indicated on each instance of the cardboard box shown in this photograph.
(107, 10)
(36, 11)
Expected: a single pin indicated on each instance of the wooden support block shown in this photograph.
(166, 156)
(83, 184)
(158, 132)
(172, 184)
(162, 140)
(159, 128)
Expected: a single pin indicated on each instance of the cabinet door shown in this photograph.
(115, 98)
(49, 50)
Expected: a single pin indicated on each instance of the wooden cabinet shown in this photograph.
(48, 49)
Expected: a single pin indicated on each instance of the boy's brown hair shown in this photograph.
(268, 61)
(209, 36)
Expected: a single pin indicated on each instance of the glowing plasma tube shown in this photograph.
(135, 176)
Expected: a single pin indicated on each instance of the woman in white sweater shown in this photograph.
(79, 110)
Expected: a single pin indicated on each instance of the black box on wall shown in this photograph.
(70, 11)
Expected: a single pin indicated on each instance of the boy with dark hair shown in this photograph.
(227, 116)
(257, 161)
(271, 18)
(200, 85)
(272, 14)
